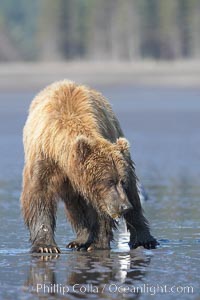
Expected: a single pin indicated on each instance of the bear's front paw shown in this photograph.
(42, 248)
(147, 244)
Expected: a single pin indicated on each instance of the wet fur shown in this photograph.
(59, 116)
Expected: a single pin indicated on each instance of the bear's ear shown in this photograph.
(83, 148)
(123, 145)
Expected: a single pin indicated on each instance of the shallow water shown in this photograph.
(162, 125)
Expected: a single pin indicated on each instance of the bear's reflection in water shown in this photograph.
(84, 275)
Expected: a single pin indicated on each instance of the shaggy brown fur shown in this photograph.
(75, 151)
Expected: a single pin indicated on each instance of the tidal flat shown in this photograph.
(162, 125)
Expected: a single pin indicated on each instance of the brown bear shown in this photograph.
(75, 150)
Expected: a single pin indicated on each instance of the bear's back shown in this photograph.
(63, 111)
(65, 100)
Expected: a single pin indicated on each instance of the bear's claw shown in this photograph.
(86, 247)
(73, 245)
(51, 249)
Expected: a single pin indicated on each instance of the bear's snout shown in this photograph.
(118, 208)
(117, 213)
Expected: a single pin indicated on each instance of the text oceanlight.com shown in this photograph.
(113, 289)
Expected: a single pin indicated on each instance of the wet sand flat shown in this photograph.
(162, 125)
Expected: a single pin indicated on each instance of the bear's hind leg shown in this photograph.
(103, 233)
(39, 208)
(93, 231)
(80, 215)
(99, 236)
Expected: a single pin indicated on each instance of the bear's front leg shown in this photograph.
(139, 231)
(44, 240)
(39, 208)
(136, 222)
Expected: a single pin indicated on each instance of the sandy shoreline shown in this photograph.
(33, 76)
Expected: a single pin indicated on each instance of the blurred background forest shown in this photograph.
(117, 30)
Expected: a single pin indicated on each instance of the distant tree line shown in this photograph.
(99, 29)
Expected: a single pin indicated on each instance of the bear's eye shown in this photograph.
(110, 182)
(122, 182)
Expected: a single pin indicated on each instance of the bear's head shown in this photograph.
(100, 172)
